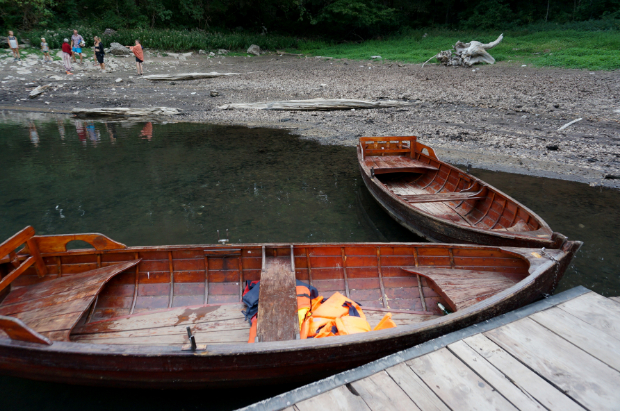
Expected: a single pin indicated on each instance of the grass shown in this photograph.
(579, 49)
(584, 45)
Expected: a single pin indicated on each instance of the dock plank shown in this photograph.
(380, 392)
(582, 377)
(415, 388)
(518, 397)
(457, 385)
(590, 339)
(337, 399)
(596, 310)
(616, 299)
(521, 376)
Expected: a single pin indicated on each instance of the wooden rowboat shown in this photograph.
(440, 202)
(117, 315)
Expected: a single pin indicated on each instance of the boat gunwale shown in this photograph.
(514, 235)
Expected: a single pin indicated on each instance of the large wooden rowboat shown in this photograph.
(440, 202)
(117, 315)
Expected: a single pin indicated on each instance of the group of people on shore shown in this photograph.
(74, 47)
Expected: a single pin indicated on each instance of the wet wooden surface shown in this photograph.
(565, 357)
(277, 309)
(53, 308)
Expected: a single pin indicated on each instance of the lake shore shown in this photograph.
(502, 117)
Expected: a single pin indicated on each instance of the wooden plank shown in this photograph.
(590, 382)
(180, 338)
(380, 392)
(182, 316)
(277, 302)
(434, 198)
(16, 273)
(15, 241)
(595, 342)
(46, 310)
(513, 393)
(596, 310)
(616, 299)
(521, 376)
(340, 398)
(38, 261)
(415, 388)
(18, 331)
(463, 288)
(457, 385)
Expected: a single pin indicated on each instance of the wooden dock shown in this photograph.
(561, 353)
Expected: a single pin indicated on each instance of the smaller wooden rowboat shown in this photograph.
(118, 315)
(441, 202)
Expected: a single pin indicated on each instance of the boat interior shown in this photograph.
(114, 294)
(412, 172)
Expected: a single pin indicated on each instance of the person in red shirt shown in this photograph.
(137, 51)
(66, 56)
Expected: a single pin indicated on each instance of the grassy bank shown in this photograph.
(595, 46)
(591, 50)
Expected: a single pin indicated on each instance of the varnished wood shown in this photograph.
(18, 331)
(277, 308)
(428, 197)
(130, 345)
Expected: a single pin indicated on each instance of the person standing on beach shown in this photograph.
(99, 53)
(77, 42)
(66, 56)
(137, 51)
(14, 46)
(45, 48)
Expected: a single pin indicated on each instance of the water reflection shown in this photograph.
(34, 135)
(147, 131)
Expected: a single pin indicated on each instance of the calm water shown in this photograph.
(148, 184)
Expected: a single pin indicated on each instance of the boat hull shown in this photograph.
(262, 363)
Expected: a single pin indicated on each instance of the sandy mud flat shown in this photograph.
(502, 117)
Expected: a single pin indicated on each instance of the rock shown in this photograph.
(222, 52)
(375, 57)
(211, 54)
(118, 80)
(553, 147)
(127, 112)
(39, 90)
(187, 54)
(254, 49)
(118, 49)
(214, 93)
(202, 52)
(109, 32)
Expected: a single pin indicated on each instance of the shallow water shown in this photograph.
(147, 184)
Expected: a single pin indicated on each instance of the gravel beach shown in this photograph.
(501, 117)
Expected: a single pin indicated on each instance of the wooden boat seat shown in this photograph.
(53, 308)
(397, 164)
(450, 196)
(277, 307)
(463, 288)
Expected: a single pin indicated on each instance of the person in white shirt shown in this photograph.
(14, 46)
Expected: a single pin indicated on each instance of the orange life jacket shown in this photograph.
(337, 306)
(303, 297)
(386, 322)
(348, 325)
(329, 329)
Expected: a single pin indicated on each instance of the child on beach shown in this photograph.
(137, 51)
(45, 48)
(66, 56)
(14, 46)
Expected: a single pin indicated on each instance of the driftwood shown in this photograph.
(126, 111)
(39, 90)
(317, 104)
(186, 76)
(467, 54)
(569, 124)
